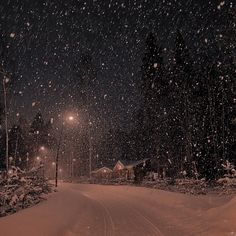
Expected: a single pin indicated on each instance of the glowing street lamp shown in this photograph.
(60, 171)
(42, 148)
(10, 159)
(38, 159)
(71, 118)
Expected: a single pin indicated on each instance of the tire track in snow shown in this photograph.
(108, 221)
(153, 226)
(110, 225)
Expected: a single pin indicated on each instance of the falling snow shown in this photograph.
(125, 92)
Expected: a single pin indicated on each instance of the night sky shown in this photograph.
(42, 40)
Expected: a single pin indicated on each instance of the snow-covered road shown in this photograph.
(81, 210)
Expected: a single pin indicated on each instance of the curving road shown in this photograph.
(94, 210)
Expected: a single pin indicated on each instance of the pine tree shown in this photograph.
(182, 107)
(17, 147)
(1, 139)
(152, 71)
(37, 124)
(40, 135)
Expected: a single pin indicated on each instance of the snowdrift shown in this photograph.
(221, 220)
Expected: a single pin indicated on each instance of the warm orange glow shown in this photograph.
(71, 118)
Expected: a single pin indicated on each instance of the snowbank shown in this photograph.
(221, 220)
(19, 190)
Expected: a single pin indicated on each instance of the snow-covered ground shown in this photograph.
(78, 209)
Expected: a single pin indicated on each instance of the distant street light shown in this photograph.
(60, 171)
(42, 148)
(10, 159)
(38, 160)
(71, 118)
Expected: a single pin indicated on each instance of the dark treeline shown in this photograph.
(188, 118)
(187, 122)
(26, 140)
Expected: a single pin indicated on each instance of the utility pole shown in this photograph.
(57, 156)
(71, 165)
(4, 81)
(16, 146)
(90, 147)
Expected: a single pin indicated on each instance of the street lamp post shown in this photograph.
(70, 119)
(90, 155)
(90, 146)
(57, 156)
(42, 149)
(72, 169)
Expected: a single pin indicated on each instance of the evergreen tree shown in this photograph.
(152, 71)
(40, 134)
(1, 139)
(182, 107)
(37, 124)
(17, 147)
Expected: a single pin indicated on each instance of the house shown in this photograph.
(131, 170)
(124, 169)
(102, 173)
(119, 170)
(120, 165)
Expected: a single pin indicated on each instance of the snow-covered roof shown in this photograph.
(130, 164)
(119, 165)
(136, 163)
(102, 169)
